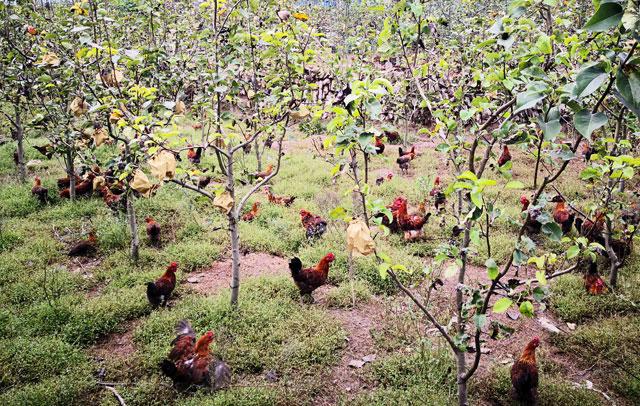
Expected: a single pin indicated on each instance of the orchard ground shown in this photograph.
(69, 325)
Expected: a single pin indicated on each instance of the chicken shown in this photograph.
(593, 283)
(83, 188)
(403, 161)
(402, 152)
(532, 225)
(251, 214)
(268, 171)
(524, 374)
(392, 136)
(439, 199)
(315, 226)
(592, 230)
(505, 156)
(309, 279)
(115, 202)
(203, 181)
(42, 193)
(379, 145)
(562, 215)
(85, 248)
(587, 151)
(191, 363)
(64, 182)
(280, 200)
(153, 231)
(158, 292)
(46, 150)
(411, 224)
(393, 224)
(194, 154)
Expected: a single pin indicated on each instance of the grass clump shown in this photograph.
(612, 345)
(193, 254)
(344, 294)
(424, 377)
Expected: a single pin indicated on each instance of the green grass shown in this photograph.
(347, 293)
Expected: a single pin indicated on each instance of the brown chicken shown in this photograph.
(194, 154)
(42, 193)
(562, 215)
(524, 374)
(280, 200)
(593, 282)
(268, 171)
(46, 150)
(592, 230)
(404, 160)
(85, 248)
(158, 292)
(64, 182)
(315, 226)
(532, 225)
(191, 363)
(309, 279)
(393, 224)
(253, 213)
(411, 224)
(203, 181)
(439, 198)
(83, 188)
(505, 156)
(392, 136)
(115, 202)
(153, 231)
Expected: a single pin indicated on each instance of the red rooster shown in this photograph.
(379, 145)
(404, 160)
(505, 157)
(532, 226)
(562, 215)
(411, 224)
(153, 231)
(158, 292)
(191, 362)
(393, 224)
(42, 193)
(593, 283)
(253, 213)
(114, 202)
(439, 199)
(524, 374)
(314, 225)
(194, 154)
(309, 279)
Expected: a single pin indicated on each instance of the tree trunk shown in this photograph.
(461, 367)
(233, 217)
(133, 227)
(19, 136)
(535, 172)
(71, 173)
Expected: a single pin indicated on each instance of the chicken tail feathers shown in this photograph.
(152, 294)
(295, 265)
(169, 369)
(183, 327)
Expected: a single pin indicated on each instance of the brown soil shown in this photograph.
(348, 381)
(218, 276)
(119, 345)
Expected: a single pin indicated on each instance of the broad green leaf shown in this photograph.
(628, 87)
(586, 122)
(573, 252)
(607, 16)
(502, 305)
(589, 79)
(492, 268)
(541, 277)
(631, 17)
(550, 130)
(526, 309)
(480, 320)
(528, 100)
(553, 230)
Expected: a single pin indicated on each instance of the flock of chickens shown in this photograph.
(190, 361)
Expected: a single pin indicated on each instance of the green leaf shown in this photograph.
(492, 268)
(573, 252)
(550, 130)
(383, 270)
(526, 309)
(608, 15)
(589, 79)
(480, 320)
(514, 184)
(528, 100)
(502, 305)
(544, 44)
(586, 122)
(553, 230)
(628, 90)
(541, 277)
(476, 197)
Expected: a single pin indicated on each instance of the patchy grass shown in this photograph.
(343, 296)
(611, 345)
